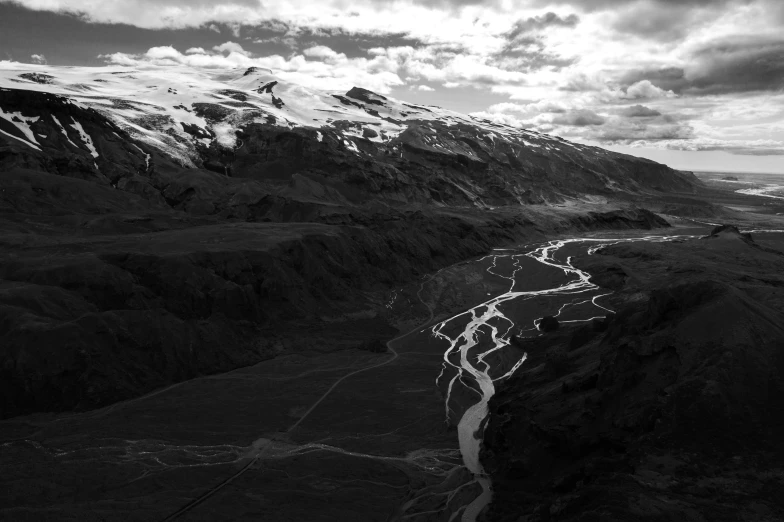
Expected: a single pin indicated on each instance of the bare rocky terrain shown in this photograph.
(669, 409)
(124, 270)
(201, 327)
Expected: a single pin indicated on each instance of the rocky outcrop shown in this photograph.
(358, 93)
(548, 324)
(730, 232)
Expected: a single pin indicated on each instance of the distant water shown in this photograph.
(767, 185)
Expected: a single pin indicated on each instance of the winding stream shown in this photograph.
(465, 360)
(340, 435)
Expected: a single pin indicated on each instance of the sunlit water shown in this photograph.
(462, 370)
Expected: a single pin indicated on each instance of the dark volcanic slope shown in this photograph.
(672, 412)
(341, 147)
(138, 249)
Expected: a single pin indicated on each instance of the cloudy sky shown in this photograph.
(697, 84)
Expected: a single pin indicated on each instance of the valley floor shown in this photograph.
(338, 427)
(360, 435)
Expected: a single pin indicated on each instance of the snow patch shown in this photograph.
(225, 135)
(350, 145)
(146, 157)
(62, 129)
(23, 124)
(20, 139)
(152, 104)
(85, 138)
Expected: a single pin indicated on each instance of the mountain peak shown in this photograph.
(358, 93)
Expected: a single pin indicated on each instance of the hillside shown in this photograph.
(161, 223)
(132, 127)
(669, 409)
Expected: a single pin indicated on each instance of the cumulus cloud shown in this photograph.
(230, 47)
(761, 147)
(619, 130)
(645, 90)
(601, 90)
(525, 43)
(323, 52)
(444, 64)
(627, 125)
(670, 78)
(639, 111)
(38, 58)
(721, 66)
(425, 88)
(581, 82)
(320, 68)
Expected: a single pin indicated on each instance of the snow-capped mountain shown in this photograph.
(249, 124)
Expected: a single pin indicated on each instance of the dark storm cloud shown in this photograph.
(659, 20)
(538, 23)
(631, 124)
(71, 40)
(453, 4)
(666, 24)
(624, 131)
(24, 32)
(667, 78)
(579, 118)
(354, 44)
(739, 64)
(597, 5)
(528, 61)
(729, 65)
(639, 111)
(584, 5)
(525, 49)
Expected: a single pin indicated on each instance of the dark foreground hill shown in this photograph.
(669, 410)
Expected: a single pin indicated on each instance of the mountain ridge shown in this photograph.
(233, 123)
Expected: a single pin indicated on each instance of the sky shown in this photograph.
(695, 84)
